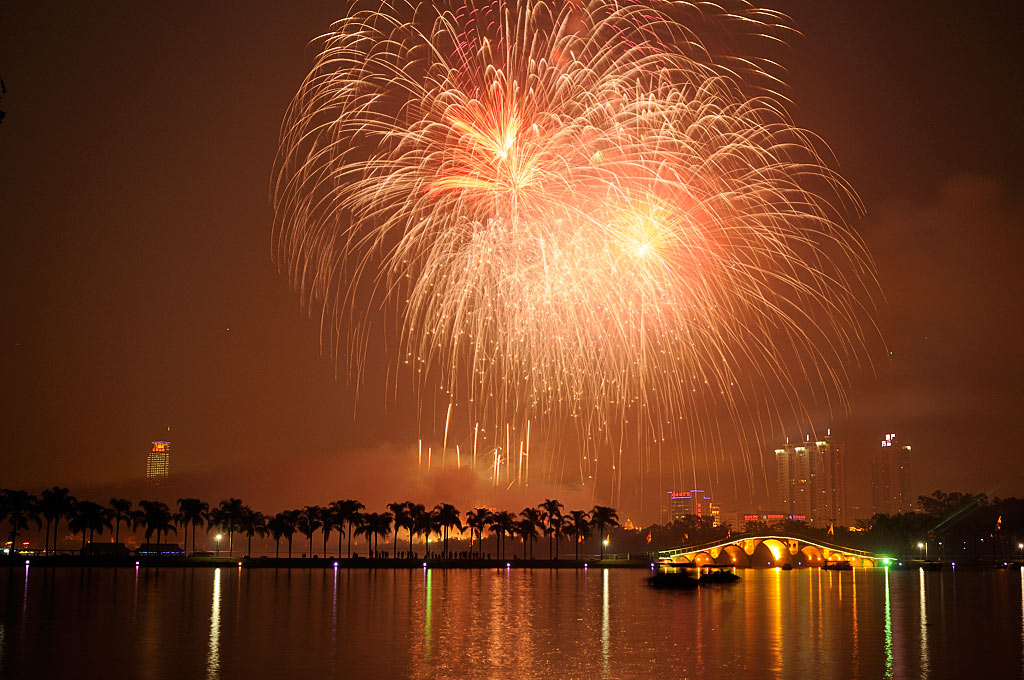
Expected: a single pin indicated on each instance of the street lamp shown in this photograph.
(217, 538)
(925, 547)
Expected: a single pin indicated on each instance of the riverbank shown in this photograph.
(314, 562)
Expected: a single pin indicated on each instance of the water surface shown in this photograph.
(597, 623)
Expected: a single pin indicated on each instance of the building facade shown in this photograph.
(158, 462)
(890, 477)
(692, 502)
(811, 480)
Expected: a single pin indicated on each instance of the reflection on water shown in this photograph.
(605, 637)
(924, 624)
(213, 657)
(435, 623)
(888, 628)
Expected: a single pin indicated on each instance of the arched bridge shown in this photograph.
(770, 551)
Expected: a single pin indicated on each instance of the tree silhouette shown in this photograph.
(477, 520)
(552, 524)
(55, 503)
(278, 527)
(191, 512)
(502, 523)
(89, 517)
(403, 520)
(226, 516)
(600, 517)
(155, 517)
(346, 512)
(19, 509)
(120, 511)
(251, 523)
(307, 524)
(528, 527)
(447, 517)
(578, 526)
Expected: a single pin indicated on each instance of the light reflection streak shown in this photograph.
(888, 629)
(925, 670)
(334, 622)
(24, 598)
(856, 637)
(426, 614)
(1022, 616)
(605, 624)
(213, 658)
(776, 623)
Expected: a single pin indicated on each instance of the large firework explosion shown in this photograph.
(575, 212)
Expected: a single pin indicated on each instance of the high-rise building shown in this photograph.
(158, 462)
(811, 480)
(693, 502)
(890, 477)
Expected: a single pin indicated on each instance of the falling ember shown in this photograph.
(580, 212)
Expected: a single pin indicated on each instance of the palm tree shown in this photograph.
(278, 527)
(251, 523)
(403, 520)
(327, 522)
(307, 524)
(346, 512)
(120, 511)
(477, 520)
(55, 503)
(417, 519)
(426, 523)
(366, 528)
(230, 512)
(216, 518)
(155, 517)
(91, 517)
(602, 516)
(577, 526)
(531, 521)
(191, 511)
(552, 524)
(290, 522)
(381, 528)
(502, 523)
(447, 517)
(18, 508)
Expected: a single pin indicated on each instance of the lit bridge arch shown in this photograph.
(769, 550)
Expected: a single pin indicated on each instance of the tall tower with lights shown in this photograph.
(890, 477)
(158, 462)
(811, 479)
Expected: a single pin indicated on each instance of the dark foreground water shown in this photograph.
(262, 623)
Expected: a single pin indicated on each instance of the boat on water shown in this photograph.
(686, 578)
(676, 580)
(714, 576)
(786, 567)
(838, 565)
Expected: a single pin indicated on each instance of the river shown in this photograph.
(515, 623)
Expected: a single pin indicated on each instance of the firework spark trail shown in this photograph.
(575, 210)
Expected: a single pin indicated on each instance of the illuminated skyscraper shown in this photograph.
(693, 502)
(158, 462)
(811, 479)
(890, 477)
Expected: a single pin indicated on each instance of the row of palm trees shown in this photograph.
(346, 517)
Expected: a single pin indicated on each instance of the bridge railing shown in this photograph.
(736, 538)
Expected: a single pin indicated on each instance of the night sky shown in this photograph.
(139, 293)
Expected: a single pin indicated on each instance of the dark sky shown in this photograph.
(139, 292)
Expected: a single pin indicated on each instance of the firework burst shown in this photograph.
(574, 211)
